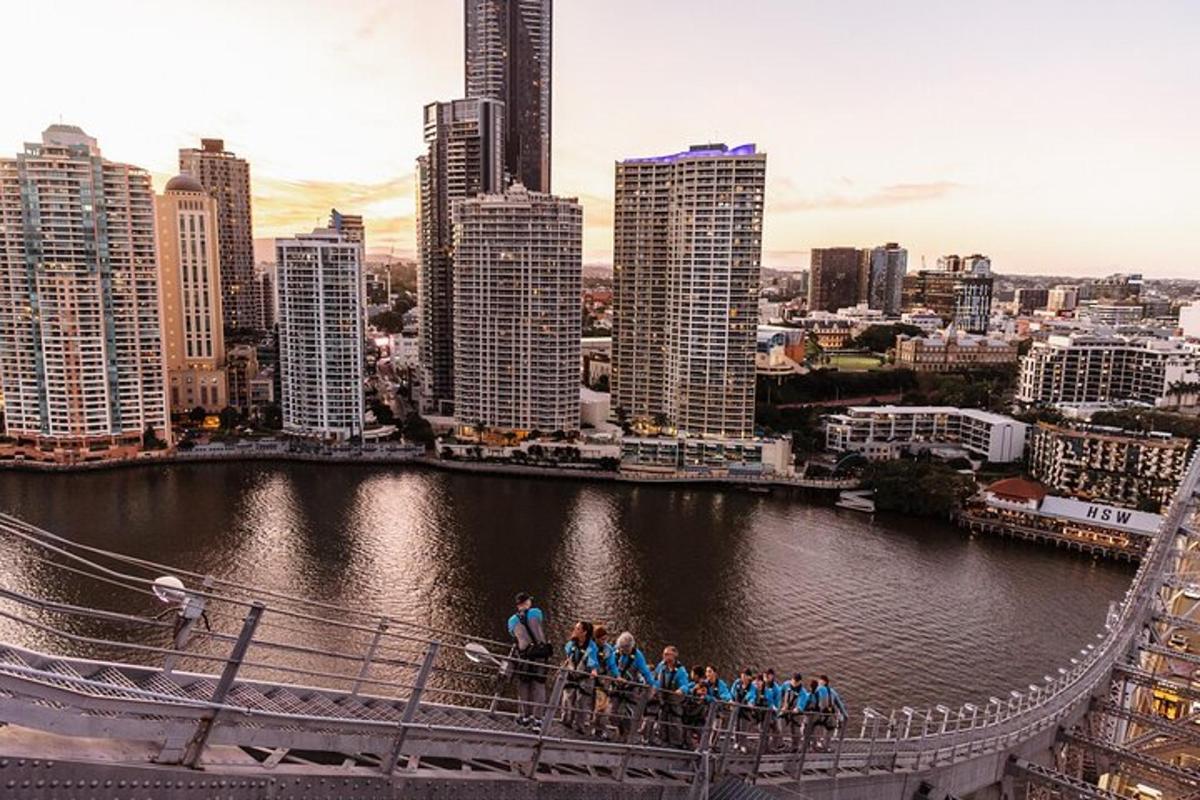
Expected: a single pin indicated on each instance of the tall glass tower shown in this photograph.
(508, 58)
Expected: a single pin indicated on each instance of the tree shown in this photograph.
(417, 429)
(272, 416)
(197, 414)
(388, 321)
(150, 440)
(230, 417)
(881, 338)
(922, 487)
(813, 352)
(382, 412)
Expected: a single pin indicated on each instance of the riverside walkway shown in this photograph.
(292, 697)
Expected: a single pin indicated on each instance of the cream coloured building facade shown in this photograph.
(518, 273)
(190, 286)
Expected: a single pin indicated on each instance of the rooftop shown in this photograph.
(1017, 489)
(716, 150)
(975, 413)
(184, 183)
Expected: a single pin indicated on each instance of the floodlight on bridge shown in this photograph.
(169, 589)
(969, 708)
(945, 712)
(998, 703)
(908, 713)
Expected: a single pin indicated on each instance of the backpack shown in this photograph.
(537, 650)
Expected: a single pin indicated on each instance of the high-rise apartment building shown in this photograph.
(227, 178)
(687, 255)
(881, 278)
(350, 226)
(1090, 369)
(81, 359)
(321, 332)
(508, 58)
(1062, 298)
(834, 278)
(465, 157)
(1126, 468)
(190, 286)
(1030, 299)
(518, 273)
(960, 291)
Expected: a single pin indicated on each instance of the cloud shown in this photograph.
(285, 207)
(787, 198)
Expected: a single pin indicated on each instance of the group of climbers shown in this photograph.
(612, 687)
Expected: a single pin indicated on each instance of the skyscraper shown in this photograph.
(227, 178)
(834, 278)
(190, 285)
(883, 278)
(960, 291)
(350, 226)
(465, 157)
(321, 331)
(81, 360)
(687, 254)
(518, 275)
(507, 58)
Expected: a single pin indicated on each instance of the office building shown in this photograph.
(227, 178)
(953, 350)
(885, 432)
(881, 277)
(1099, 369)
(834, 278)
(265, 274)
(1189, 319)
(1028, 300)
(508, 59)
(464, 158)
(190, 285)
(321, 334)
(686, 269)
(1114, 288)
(1125, 468)
(81, 359)
(1062, 298)
(518, 274)
(960, 291)
(1112, 313)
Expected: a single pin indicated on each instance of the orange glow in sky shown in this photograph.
(1058, 137)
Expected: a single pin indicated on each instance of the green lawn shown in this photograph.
(855, 363)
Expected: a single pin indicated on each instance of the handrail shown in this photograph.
(909, 732)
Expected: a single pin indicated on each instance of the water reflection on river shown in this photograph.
(899, 611)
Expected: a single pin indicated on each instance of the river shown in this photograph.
(897, 611)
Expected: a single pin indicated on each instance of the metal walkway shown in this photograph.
(312, 689)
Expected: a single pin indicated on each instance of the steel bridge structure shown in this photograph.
(293, 697)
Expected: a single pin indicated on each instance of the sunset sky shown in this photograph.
(1057, 137)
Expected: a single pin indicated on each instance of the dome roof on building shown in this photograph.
(184, 183)
(1017, 489)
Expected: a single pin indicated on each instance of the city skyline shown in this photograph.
(1041, 145)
